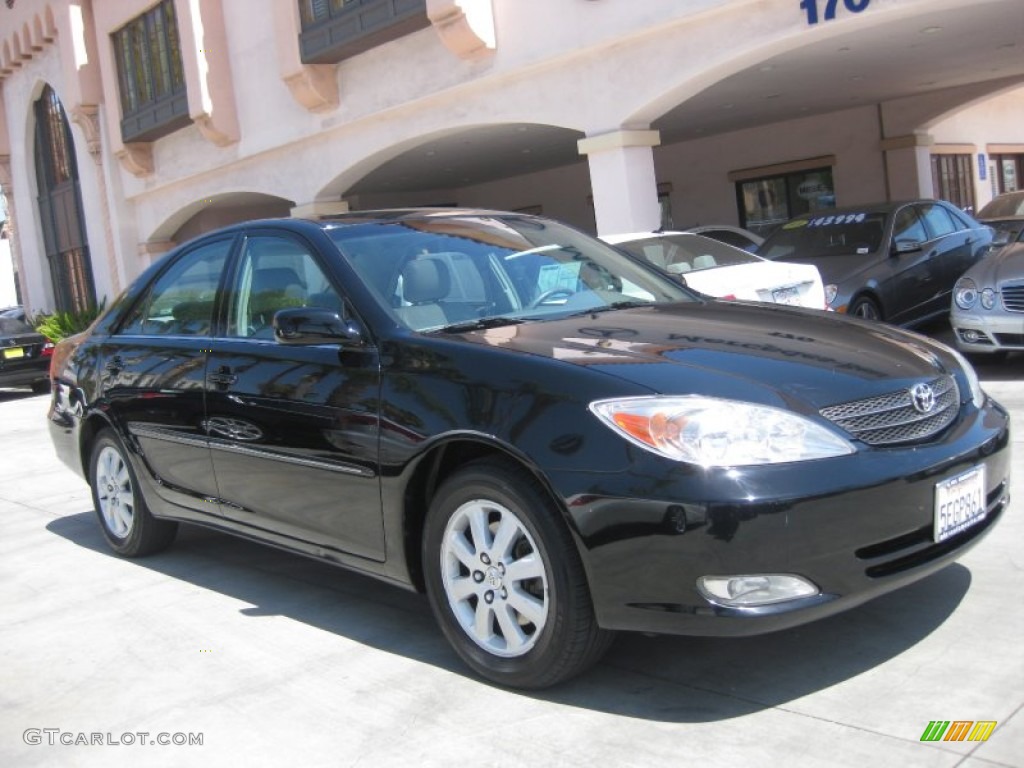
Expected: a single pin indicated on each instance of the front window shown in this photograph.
(829, 235)
(275, 273)
(432, 273)
(150, 75)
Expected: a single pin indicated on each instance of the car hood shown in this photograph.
(1005, 263)
(770, 354)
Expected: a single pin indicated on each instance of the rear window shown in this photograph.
(12, 326)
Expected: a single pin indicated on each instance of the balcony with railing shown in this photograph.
(333, 30)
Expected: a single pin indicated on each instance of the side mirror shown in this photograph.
(314, 325)
(905, 246)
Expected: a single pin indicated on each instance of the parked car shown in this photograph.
(552, 439)
(1005, 214)
(987, 314)
(717, 269)
(726, 233)
(896, 262)
(24, 353)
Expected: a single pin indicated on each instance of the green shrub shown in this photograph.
(60, 325)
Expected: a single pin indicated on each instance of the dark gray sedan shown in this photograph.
(896, 262)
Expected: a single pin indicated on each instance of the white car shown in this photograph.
(717, 269)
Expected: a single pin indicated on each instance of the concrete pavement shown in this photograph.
(270, 659)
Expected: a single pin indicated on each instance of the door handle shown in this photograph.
(223, 377)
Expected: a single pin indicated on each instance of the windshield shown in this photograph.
(1009, 231)
(825, 235)
(434, 272)
(681, 253)
(1003, 205)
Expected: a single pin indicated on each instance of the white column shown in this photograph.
(908, 166)
(622, 180)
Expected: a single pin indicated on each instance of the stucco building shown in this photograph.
(127, 126)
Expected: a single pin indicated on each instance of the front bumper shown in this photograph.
(856, 526)
(988, 332)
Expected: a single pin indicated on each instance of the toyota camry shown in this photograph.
(551, 439)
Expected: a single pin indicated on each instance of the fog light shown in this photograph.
(971, 336)
(751, 590)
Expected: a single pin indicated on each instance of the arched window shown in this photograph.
(60, 207)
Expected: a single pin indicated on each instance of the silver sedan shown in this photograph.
(987, 314)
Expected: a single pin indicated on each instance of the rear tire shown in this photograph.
(505, 580)
(125, 519)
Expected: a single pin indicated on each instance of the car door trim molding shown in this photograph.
(346, 469)
(155, 433)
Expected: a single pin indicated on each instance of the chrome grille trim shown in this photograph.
(891, 418)
(1013, 297)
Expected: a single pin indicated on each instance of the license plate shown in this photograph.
(14, 352)
(959, 503)
(788, 295)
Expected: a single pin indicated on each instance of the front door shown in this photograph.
(293, 429)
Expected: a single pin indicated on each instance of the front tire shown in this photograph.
(866, 308)
(505, 581)
(127, 524)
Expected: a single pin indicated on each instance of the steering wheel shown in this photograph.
(547, 296)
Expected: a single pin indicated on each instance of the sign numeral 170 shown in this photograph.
(811, 8)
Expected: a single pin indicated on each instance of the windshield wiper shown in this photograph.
(612, 307)
(479, 324)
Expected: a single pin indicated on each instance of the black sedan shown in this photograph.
(24, 353)
(896, 262)
(550, 438)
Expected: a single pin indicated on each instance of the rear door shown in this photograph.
(153, 375)
(293, 429)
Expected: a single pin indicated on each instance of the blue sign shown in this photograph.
(982, 167)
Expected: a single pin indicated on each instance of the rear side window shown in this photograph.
(180, 302)
(938, 220)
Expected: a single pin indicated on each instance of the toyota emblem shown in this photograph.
(923, 398)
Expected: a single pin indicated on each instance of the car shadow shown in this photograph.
(671, 679)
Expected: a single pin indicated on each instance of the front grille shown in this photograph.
(1010, 339)
(892, 418)
(1013, 297)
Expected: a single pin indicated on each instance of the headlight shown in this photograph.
(977, 394)
(988, 298)
(719, 433)
(831, 291)
(965, 294)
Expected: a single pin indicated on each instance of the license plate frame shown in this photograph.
(788, 294)
(959, 503)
